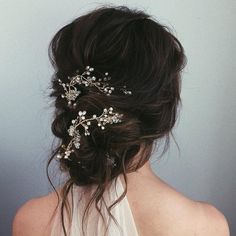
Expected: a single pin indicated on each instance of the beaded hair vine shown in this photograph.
(88, 80)
(107, 116)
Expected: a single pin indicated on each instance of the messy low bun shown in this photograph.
(113, 141)
(136, 51)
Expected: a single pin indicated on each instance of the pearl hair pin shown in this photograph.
(87, 80)
(107, 117)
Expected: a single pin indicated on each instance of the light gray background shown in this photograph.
(205, 131)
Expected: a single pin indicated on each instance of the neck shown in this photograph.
(143, 173)
(146, 170)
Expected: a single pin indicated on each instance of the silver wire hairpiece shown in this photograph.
(88, 80)
(110, 160)
(107, 117)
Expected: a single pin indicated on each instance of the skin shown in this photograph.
(168, 212)
(161, 211)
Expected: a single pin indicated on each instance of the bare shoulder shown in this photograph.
(212, 221)
(33, 217)
(194, 217)
(170, 212)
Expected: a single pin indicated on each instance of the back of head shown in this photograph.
(141, 54)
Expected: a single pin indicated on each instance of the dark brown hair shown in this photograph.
(137, 51)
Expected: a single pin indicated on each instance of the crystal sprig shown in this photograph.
(125, 90)
(107, 117)
(87, 80)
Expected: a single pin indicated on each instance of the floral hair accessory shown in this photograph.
(111, 161)
(107, 117)
(87, 80)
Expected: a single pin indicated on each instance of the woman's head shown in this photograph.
(138, 52)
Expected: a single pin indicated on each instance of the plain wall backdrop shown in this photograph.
(204, 169)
